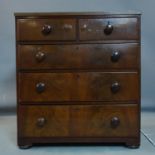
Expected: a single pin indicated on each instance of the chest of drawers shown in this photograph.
(78, 78)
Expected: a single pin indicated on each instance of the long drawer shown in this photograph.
(79, 121)
(83, 86)
(86, 56)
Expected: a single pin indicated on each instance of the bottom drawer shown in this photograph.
(78, 121)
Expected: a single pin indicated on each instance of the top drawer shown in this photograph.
(109, 29)
(46, 29)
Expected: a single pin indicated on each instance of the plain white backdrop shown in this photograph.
(7, 38)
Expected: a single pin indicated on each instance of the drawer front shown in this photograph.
(109, 29)
(78, 121)
(46, 29)
(88, 86)
(95, 56)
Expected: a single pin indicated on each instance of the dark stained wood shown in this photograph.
(123, 29)
(31, 29)
(78, 141)
(96, 56)
(64, 14)
(78, 78)
(88, 86)
(79, 121)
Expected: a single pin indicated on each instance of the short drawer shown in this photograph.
(46, 29)
(83, 86)
(86, 56)
(78, 121)
(109, 29)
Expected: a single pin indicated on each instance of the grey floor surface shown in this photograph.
(8, 141)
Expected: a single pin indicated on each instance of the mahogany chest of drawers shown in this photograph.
(78, 78)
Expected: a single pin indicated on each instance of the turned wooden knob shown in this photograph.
(41, 122)
(40, 87)
(115, 122)
(115, 87)
(40, 56)
(46, 29)
(108, 29)
(115, 56)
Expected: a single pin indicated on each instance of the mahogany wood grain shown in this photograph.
(86, 56)
(78, 78)
(84, 86)
(31, 29)
(123, 29)
(78, 121)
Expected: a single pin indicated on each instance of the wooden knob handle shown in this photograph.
(108, 29)
(41, 122)
(115, 87)
(115, 56)
(115, 122)
(40, 87)
(40, 56)
(46, 29)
